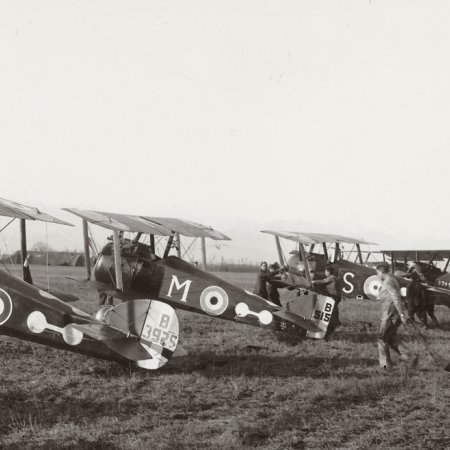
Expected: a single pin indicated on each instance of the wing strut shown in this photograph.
(178, 244)
(203, 246)
(117, 261)
(23, 248)
(325, 250)
(306, 263)
(446, 265)
(168, 246)
(337, 252)
(358, 248)
(87, 253)
(280, 251)
(152, 245)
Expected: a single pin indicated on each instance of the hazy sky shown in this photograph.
(225, 111)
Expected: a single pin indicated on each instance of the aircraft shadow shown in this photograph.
(257, 365)
(357, 338)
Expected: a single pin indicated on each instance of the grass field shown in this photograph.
(225, 394)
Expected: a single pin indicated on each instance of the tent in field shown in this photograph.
(53, 258)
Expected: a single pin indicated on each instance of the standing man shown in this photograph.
(330, 285)
(417, 299)
(275, 283)
(392, 315)
(262, 280)
(416, 274)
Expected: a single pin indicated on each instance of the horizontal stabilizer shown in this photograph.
(124, 345)
(67, 298)
(180, 351)
(99, 331)
(300, 321)
(129, 348)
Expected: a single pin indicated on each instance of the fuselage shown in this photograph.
(184, 286)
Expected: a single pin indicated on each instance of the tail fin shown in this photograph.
(155, 325)
(321, 315)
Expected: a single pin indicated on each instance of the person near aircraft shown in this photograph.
(392, 315)
(427, 306)
(417, 268)
(262, 279)
(417, 301)
(274, 283)
(330, 285)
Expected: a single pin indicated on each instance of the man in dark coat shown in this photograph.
(262, 280)
(275, 283)
(418, 301)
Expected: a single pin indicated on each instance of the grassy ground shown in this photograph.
(226, 395)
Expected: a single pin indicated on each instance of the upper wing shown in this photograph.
(436, 255)
(188, 228)
(161, 226)
(9, 208)
(120, 222)
(316, 238)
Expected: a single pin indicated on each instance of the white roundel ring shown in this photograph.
(372, 287)
(5, 306)
(214, 300)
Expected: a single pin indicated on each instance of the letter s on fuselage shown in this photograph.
(349, 286)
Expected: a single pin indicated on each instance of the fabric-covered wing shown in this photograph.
(9, 208)
(119, 222)
(436, 255)
(316, 238)
(159, 226)
(188, 228)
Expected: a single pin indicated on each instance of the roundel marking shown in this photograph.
(372, 287)
(71, 335)
(214, 300)
(5, 306)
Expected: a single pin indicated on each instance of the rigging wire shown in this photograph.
(186, 250)
(5, 243)
(8, 224)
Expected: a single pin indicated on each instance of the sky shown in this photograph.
(333, 114)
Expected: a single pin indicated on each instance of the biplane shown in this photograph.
(129, 269)
(350, 259)
(433, 264)
(316, 251)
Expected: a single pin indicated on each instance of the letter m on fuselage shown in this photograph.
(176, 285)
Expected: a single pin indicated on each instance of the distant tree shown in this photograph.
(41, 246)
